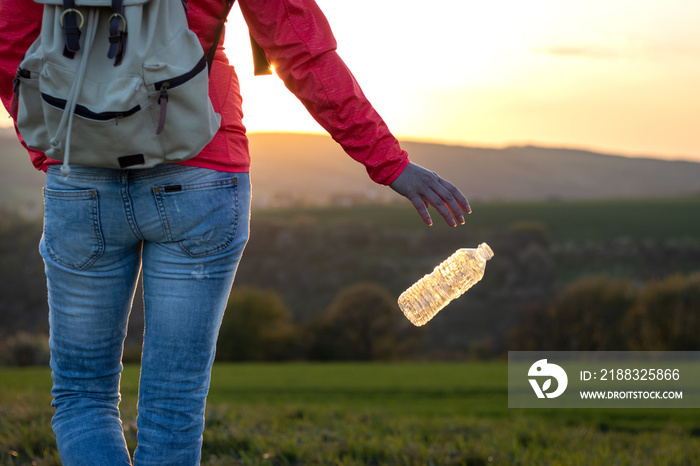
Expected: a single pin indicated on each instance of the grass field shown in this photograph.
(402, 414)
(358, 414)
(570, 220)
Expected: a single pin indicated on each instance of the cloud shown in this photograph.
(575, 51)
(630, 48)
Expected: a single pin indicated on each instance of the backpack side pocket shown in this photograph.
(177, 80)
(30, 115)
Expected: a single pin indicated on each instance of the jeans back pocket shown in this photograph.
(201, 217)
(72, 232)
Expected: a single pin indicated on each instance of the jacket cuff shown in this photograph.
(386, 175)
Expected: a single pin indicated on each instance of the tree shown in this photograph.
(363, 323)
(586, 316)
(667, 315)
(256, 327)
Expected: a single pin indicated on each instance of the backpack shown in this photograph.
(115, 84)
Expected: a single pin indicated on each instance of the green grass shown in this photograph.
(662, 218)
(357, 414)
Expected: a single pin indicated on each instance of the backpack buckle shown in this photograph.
(71, 30)
(117, 38)
(120, 19)
(73, 11)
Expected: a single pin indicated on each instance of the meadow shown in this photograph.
(418, 413)
(373, 414)
(565, 220)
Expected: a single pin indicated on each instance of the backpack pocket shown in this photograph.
(29, 106)
(177, 81)
(111, 121)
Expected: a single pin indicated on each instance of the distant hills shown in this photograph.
(310, 165)
(305, 169)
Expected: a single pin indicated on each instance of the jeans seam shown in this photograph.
(129, 206)
(166, 169)
(165, 222)
(54, 170)
(109, 174)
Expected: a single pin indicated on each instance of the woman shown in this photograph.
(183, 227)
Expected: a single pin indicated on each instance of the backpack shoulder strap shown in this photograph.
(72, 21)
(261, 64)
(219, 32)
(117, 32)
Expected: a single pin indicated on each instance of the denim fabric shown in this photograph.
(184, 229)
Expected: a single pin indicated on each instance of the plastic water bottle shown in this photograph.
(448, 281)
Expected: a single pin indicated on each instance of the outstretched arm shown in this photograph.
(298, 41)
(423, 187)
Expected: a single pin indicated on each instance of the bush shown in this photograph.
(605, 314)
(666, 316)
(363, 323)
(25, 349)
(256, 327)
(587, 315)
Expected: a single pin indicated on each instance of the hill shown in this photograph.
(322, 170)
(304, 169)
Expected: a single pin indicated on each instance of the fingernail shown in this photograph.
(461, 219)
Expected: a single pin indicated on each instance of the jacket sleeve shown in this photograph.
(298, 41)
(20, 24)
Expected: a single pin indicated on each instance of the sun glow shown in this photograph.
(610, 76)
(614, 76)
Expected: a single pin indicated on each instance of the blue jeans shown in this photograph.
(184, 229)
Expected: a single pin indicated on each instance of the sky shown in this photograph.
(616, 76)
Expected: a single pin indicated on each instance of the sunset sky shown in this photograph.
(617, 76)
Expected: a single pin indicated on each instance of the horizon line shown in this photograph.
(477, 145)
(514, 144)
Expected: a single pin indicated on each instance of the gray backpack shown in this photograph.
(115, 84)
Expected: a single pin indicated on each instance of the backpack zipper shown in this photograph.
(84, 112)
(183, 78)
(167, 84)
(15, 89)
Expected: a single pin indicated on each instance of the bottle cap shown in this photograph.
(485, 251)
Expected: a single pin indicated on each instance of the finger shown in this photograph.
(422, 207)
(451, 202)
(437, 201)
(457, 194)
(454, 200)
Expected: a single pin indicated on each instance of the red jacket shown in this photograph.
(296, 39)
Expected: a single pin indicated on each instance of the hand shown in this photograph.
(423, 187)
